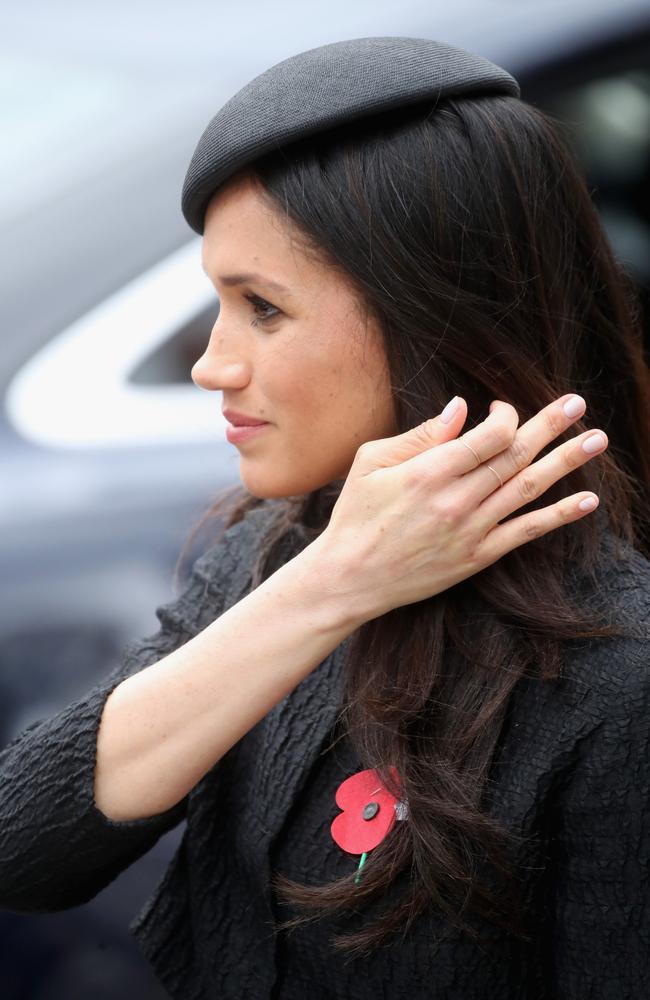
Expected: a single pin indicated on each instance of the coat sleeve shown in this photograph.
(599, 942)
(57, 849)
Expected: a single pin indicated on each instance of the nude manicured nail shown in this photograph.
(449, 410)
(574, 406)
(593, 443)
(588, 503)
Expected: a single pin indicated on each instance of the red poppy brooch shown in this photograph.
(369, 813)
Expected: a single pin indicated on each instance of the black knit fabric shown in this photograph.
(572, 774)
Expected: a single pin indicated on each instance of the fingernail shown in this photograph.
(574, 406)
(588, 503)
(449, 410)
(593, 443)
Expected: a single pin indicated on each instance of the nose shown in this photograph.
(218, 370)
(221, 374)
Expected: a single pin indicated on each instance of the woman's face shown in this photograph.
(300, 357)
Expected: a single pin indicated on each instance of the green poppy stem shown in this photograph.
(361, 864)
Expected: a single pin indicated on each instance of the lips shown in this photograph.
(235, 435)
(242, 419)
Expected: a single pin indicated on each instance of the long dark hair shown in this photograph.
(471, 237)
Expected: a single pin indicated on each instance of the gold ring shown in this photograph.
(478, 460)
(496, 474)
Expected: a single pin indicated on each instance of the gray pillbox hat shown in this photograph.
(324, 87)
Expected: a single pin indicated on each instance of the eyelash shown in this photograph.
(259, 303)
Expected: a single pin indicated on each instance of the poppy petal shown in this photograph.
(368, 813)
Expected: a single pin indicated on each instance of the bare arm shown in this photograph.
(163, 728)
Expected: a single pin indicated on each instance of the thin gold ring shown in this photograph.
(496, 474)
(478, 460)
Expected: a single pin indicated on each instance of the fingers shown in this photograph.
(455, 458)
(533, 481)
(531, 438)
(519, 530)
(495, 434)
(384, 453)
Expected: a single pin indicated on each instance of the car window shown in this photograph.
(172, 360)
(143, 340)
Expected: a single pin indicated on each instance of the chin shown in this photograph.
(270, 487)
(274, 487)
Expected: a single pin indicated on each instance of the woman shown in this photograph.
(405, 718)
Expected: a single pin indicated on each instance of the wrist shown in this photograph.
(329, 584)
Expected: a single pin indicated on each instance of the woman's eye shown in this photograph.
(261, 307)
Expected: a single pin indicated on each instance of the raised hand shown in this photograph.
(421, 511)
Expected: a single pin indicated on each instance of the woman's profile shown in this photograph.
(403, 699)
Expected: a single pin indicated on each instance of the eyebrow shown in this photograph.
(249, 276)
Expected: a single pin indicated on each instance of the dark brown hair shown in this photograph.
(469, 232)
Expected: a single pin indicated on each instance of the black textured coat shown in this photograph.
(572, 775)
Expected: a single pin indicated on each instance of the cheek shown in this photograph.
(301, 380)
(340, 386)
(348, 404)
(290, 385)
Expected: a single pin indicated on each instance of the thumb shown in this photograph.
(387, 452)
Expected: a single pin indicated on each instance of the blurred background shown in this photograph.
(109, 453)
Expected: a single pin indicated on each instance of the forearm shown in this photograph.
(163, 728)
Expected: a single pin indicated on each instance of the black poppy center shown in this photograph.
(370, 810)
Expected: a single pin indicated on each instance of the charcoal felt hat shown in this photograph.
(322, 88)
